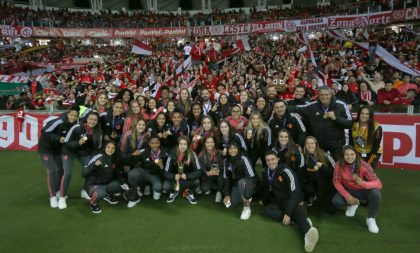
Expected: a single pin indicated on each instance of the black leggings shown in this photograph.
(275, 211)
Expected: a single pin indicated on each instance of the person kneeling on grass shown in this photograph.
(100, 182)
(182, 172)
(355, 180)
(239, 180)
(283, 200)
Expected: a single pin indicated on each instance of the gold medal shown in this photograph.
(156, 160)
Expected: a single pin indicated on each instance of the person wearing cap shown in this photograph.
(283, 200)
(239, 180)
(49, 147)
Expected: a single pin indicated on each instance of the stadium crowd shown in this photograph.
(64, 18)
(141, 126)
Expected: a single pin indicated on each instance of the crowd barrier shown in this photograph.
(401, 136)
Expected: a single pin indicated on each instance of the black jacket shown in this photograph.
(294, 159)
(328, 132)
(236, 137)
(192, 168)
(281, 187)
(92, 145)
(172, 140)
(291, 123)
(235, 169)
(110, 124)
(207, 161)
(49, 141)
(146, 161)
(102, 174)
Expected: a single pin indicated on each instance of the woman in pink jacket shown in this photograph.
(355, 180)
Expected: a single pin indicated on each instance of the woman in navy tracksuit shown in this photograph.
(82, 140)
(100, 182)
(239, 180)
(147, 169)
(182, 171)
(49, 148)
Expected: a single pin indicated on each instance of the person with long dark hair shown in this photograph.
(366, 136)
(318, 174)
(221, 109)
(82, 140)
(160, 127)
(212, 161)
(125, 96)
(289, 153)
(112, 122)
(283, 200)
(239, 180)
(182, 172)
(194, 116)
(355, 180)
(100, 181)
(49, 148)
(227, 134)
(205, 130)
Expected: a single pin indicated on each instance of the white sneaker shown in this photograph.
(53, 202)
(372, 227)
(133, 203)
(351, 210)
(311, 239)
(147, 190)
(84, 194)
(62, 203)
(218, 198)
(156, 195)
(246, 213)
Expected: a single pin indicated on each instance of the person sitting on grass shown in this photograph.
(283, 200)
(239, 180)
(100, 182)
(182, 172)
(355, 180)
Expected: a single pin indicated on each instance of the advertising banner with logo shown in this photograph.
(400, 141)
(15, 31)
(313, 24)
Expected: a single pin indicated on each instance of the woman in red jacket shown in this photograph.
(355, 180)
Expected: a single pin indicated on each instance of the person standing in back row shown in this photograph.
(49, 148)
(328, 119)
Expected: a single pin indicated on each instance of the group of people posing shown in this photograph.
(312, 154)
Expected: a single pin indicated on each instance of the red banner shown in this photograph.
(406, 14)
(109, 32)
(313, 24)
(401, 137)
(359, 20)
(15, 31)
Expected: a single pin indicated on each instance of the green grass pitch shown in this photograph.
(28, 224)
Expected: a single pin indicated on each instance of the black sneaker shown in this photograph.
(172, 196)
(95, 208)
(191, 198)
(111, 200)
